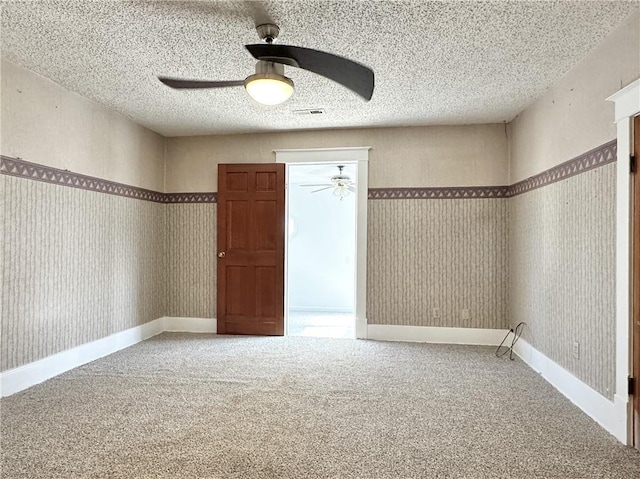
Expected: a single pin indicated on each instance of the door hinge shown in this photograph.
(633, 164)
(632, 386)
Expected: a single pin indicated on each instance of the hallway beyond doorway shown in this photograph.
(321, 324)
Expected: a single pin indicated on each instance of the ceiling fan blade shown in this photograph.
(319, 184)
(189, 84)
(352, 188)
(348, 73)
(322, 189)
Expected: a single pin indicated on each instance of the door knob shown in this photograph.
(222, 254)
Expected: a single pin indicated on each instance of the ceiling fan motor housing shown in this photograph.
(272, 68)
(268, 32)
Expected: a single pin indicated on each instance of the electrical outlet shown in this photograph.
(576, 349)
(466, 315)
(436, 313)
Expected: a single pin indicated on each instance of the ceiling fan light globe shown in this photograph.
(269, 88)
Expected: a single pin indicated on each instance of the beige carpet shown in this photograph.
(186, 406)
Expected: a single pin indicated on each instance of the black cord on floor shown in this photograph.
(516, 335)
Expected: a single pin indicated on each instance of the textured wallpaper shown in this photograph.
(447, 254)
(444, 254)
(562, 273)
(78, 266)
(191, 261)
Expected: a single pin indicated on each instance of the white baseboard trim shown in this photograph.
(428, 334)
(612, 416)
(190, 325)
(361, 328)
(23, 377)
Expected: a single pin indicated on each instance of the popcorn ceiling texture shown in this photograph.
(435, 62)
(562, 273)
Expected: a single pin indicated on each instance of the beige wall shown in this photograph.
(474, 155)
(190, 275)
(562, 236)
(574, 116)
(78, 266)
(43, 123)
(440, 254)
(562, 273)
(47, 124)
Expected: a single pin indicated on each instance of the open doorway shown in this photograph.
(321, 249)
(359, 157)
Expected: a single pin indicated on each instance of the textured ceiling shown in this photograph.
(435, 62)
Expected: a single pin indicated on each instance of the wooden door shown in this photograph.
(636, 283)
(251, 227)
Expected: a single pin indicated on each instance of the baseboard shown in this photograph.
(190, 325)
(361, 328)
(23, 377)
(612, 416)
(428, 334)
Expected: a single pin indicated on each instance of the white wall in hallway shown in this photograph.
(321, 255)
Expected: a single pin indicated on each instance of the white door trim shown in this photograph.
(360, 156)
(627, 105)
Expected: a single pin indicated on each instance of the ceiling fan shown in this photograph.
(269, 86)
(342, 184)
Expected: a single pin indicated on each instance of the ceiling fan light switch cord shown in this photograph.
(517, 332)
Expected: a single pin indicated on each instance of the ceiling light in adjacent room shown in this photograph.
(341, 184)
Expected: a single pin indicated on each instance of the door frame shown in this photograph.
(627, 106)
(359, 156)
(635, 281)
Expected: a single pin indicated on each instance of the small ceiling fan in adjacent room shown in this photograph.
(269, 86)
(342, 184)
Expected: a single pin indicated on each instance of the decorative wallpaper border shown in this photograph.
(203, 197)
(451, 192)
(47, 174)
(595, 158)
(33, 171)
(599, 156)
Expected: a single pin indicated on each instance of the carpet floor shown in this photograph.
(206, 406)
